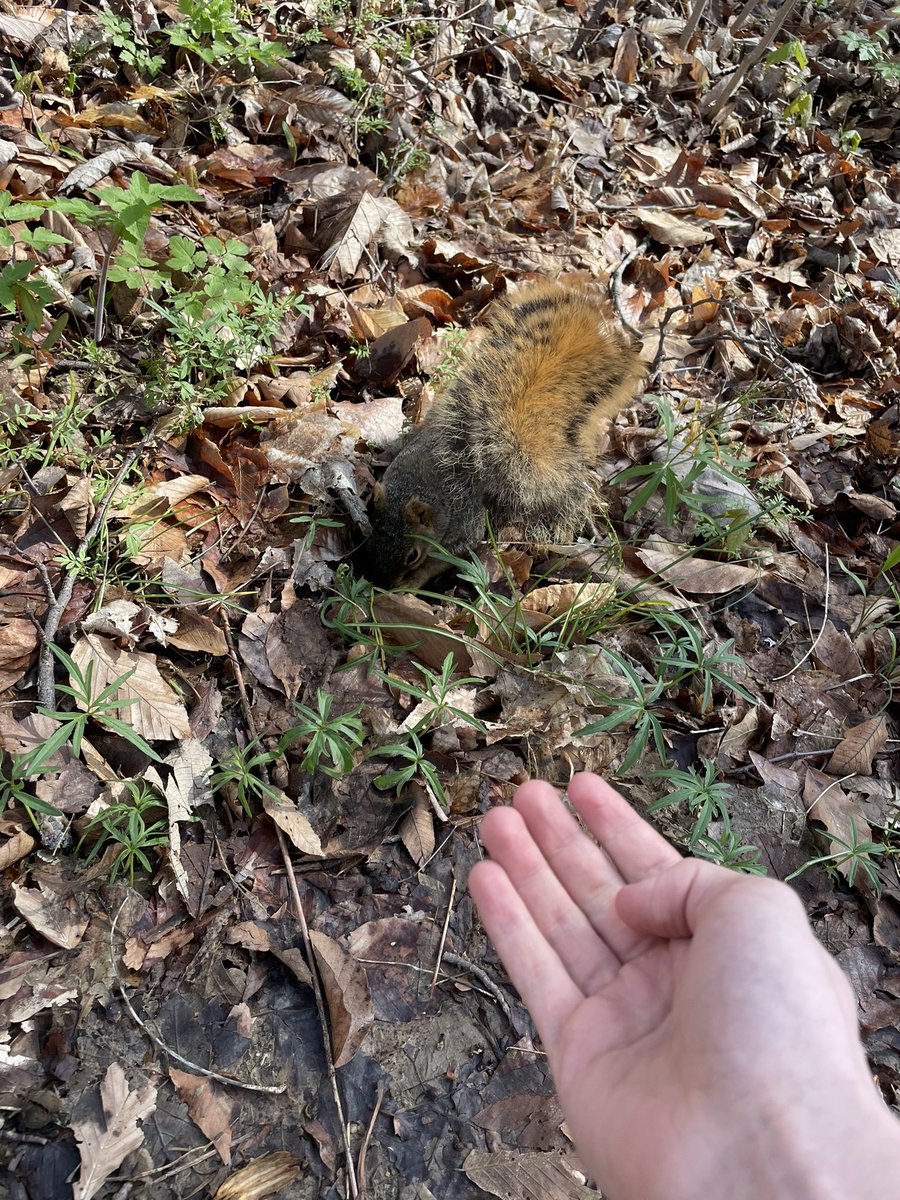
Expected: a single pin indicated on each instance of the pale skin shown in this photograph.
(702, 1042)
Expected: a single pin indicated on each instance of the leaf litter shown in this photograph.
(193, 420)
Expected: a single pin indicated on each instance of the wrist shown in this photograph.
(819, 1152)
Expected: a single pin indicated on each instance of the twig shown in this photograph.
(818, 637)
(320, 1009)
(617, 284)
(692, 22)
(100, 307)
(437, 965)
(364, 1148)
(46, 690)
(484, 979)
(269, 1089)
(716, 100)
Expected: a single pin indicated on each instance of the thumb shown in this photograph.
(672, 903)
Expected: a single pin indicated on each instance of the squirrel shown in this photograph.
(513, 435)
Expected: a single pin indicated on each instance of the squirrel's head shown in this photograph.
(395, 554)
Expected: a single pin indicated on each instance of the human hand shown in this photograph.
(702, 1042)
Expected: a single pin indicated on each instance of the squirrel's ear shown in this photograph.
(419, 515)
(379, 495)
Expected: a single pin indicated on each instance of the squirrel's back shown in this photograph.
(525, 411)
(514, 436)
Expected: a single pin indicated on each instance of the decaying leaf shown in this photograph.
(106, 1140)
(856, 753)
(269, 1175)
(61, 920)
(347, 992)
(210, 1108)
(158, 715)
(510, 1175)
(291, 820)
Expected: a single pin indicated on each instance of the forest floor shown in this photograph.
(240, 248)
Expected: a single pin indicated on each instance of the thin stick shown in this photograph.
(270, 1089)
(320, 1009)
(484, 979)
(46, 690)
(437, 965)
(617, 285)
(364, 1148)
(716, 100)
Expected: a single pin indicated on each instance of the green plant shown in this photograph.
(636, 711)
(17, 772)
(22, 289)
(873, 52)
(452, 343)
(210, 30)
(792, 57)
(100, 709)
(691, 660)
(853, 855)
(244, 768)
(125, 213)
(727, 849)
(123, 37)
(313, 525)
(124, 824)
(705, 796)
(335, 737)
(435, 692)
(689, 451)
(412, 754)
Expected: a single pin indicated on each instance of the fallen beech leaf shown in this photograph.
(347, 992)
(840, 813)
(417, 831)
(104, 1144)
(159, 715)
(855, 753)
(673, 231)
(291, 821)
(61, 921)
(557, 599)
(512, 1175)
(697, 575)
(263, 1177)
(209, 1108)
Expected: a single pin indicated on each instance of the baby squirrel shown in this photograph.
(514, 435)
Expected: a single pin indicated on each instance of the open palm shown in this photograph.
(690, 1017)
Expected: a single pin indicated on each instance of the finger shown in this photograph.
(585, 871)
(673, 903)
(539, 975)
(633, 845)
(563, 924)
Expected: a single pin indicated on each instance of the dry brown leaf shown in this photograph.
(557, 599)
(417, 831)
(105, 1144)
(78, 506)
(408, 621)
(698, 575)
(62, 921)
(371, 220)
(198, 633)
(158, 715)
(290, 820)
(855, 753)
(209, 1108)
(535, 1175)
(15, 848)
(347, 992)
(670, 230)
(266, 1176)
(841, 814)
